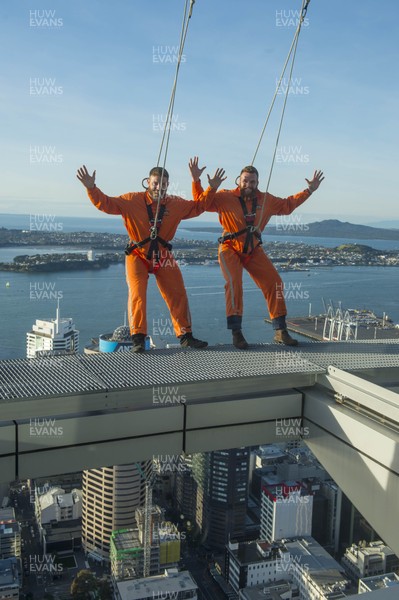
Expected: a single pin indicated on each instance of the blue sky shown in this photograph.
(94, 87)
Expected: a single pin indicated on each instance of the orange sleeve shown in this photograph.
(108, 204)
(190, 209)
(285, 206)
(200, 196)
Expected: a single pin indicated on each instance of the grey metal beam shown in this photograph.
(361, 455)
(64, 443)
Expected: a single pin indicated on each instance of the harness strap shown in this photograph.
(153, 238)
(250, 230)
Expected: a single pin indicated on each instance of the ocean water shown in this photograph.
(96, 300)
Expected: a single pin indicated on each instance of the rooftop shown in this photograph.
(160, 586)
(323, 568)
(379, 582)
(256, 552)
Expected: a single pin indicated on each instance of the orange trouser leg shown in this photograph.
(231, 266)
(137, 280)
(171, 285)
(264, 274)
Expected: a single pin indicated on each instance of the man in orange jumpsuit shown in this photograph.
(149, 250)
(243, 214)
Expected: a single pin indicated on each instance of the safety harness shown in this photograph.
(250, 230)
(153, 238)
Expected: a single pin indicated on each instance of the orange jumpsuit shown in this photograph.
(232, 260)
(132, 207)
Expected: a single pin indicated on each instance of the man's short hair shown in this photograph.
(160, 171)
(250, 169)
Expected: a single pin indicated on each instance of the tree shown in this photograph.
(84, 583)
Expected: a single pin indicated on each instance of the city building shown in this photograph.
(52, 336)
(332, 516)
(299, 465)
(222, 479)
(58, 517)
(10, 579)
(367, 560)
(127, 556)
(62, 537)
(316, 574)
(55, 505)
(7, 514)
(170, 585)
(127, 547)
(286, 509)
(252, 563)
(379, 582)
(185, 490)
(110, 496)
(10, 538)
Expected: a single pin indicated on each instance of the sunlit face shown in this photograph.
(248, 183)
(154, 186)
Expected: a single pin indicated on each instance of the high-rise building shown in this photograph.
(222, 479)
(286, 509)
(110, 496)
(186, 489)
(333, 494)
(52, 336)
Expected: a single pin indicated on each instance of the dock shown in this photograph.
(312, 327)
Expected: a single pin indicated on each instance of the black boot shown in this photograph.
(239, 340)
(138, 342)
(188, 341)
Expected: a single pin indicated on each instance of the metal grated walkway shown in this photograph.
(80, 373)
(64, 375)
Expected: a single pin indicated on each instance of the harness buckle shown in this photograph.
(153, 233)
(129, 248)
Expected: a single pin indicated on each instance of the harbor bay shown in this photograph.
(96, 300)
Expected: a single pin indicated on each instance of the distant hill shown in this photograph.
(333, 228)
(289, 225)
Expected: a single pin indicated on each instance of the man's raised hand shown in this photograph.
(195, 171)
(84, 177)
(217, 178)
(316, 181)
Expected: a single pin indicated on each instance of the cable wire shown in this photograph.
(166, 134)
(293, 49)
